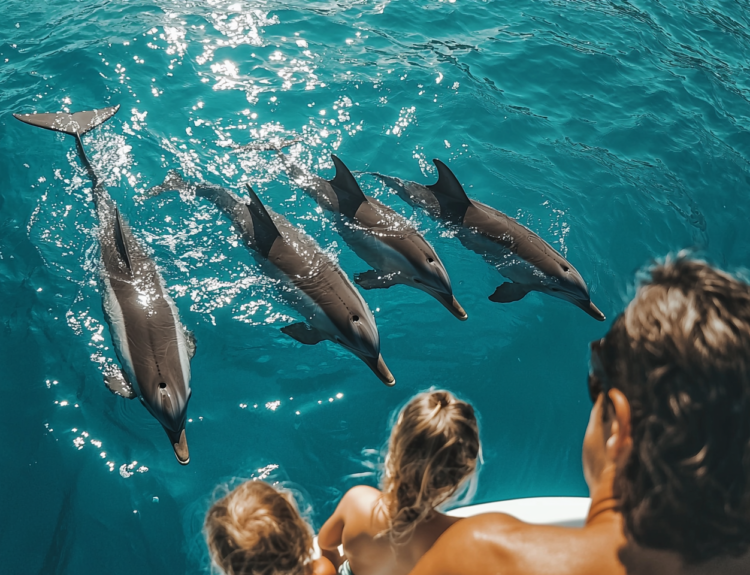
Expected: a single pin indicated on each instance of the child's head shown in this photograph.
(433, 449)
(257, 530)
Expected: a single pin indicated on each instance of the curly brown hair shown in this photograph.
(680, 353)
(432, 451)
(257, 530)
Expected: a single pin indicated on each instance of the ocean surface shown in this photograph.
(616, 130)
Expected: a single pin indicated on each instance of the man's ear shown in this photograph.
(620, 441)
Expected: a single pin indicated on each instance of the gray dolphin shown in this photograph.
(316, 285)
(518, 253)
(379, 235)
(153, 346)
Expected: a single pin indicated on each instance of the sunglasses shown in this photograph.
(598, 380)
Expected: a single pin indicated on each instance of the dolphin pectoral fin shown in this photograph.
(373, 279)
(191, 343)
(303, 333)
(508, 292)
(118, 384)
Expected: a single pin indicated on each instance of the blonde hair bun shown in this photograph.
(433, 450)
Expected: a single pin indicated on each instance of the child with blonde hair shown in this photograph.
(257, 530)
(432, 454)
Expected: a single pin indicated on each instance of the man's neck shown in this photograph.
(603, 502)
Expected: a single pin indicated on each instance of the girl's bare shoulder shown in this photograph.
(363, 502)
(361, 498)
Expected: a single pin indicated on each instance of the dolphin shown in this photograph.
(518, 253)
(153, 346)
(315, 285)
(378, 234)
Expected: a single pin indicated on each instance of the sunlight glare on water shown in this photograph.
(615, 130)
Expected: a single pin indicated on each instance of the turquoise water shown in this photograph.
(618, 131)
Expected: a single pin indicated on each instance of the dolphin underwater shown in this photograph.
(378, 234)
(518, 253)
(315, 285)
(153, 346)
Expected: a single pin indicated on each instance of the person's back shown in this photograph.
(432, 452)
(497, 543)
(368, 552)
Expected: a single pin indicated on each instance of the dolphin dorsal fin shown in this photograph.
(449, 193)
(121, 241)
(448, 184)
(265, 231)
(349, 194)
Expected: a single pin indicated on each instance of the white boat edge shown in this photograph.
(559, 511)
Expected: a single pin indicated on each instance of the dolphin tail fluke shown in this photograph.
(378, 175)
(174, 182)
(267, 146)
(508, 292)
(395, 184)
(76, 124)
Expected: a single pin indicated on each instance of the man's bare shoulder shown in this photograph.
(480, 527)
(496, 542)
(491, 532)
(471, 545)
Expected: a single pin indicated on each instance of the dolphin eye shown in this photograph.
(565, 268)
(417, 281)
(431, 260)
(162, 385)
(355, 318)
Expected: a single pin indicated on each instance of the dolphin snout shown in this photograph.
(180, 446)
(593, 311)
(589, 307)
(450, 303)
(379, 368)
(441, 291)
